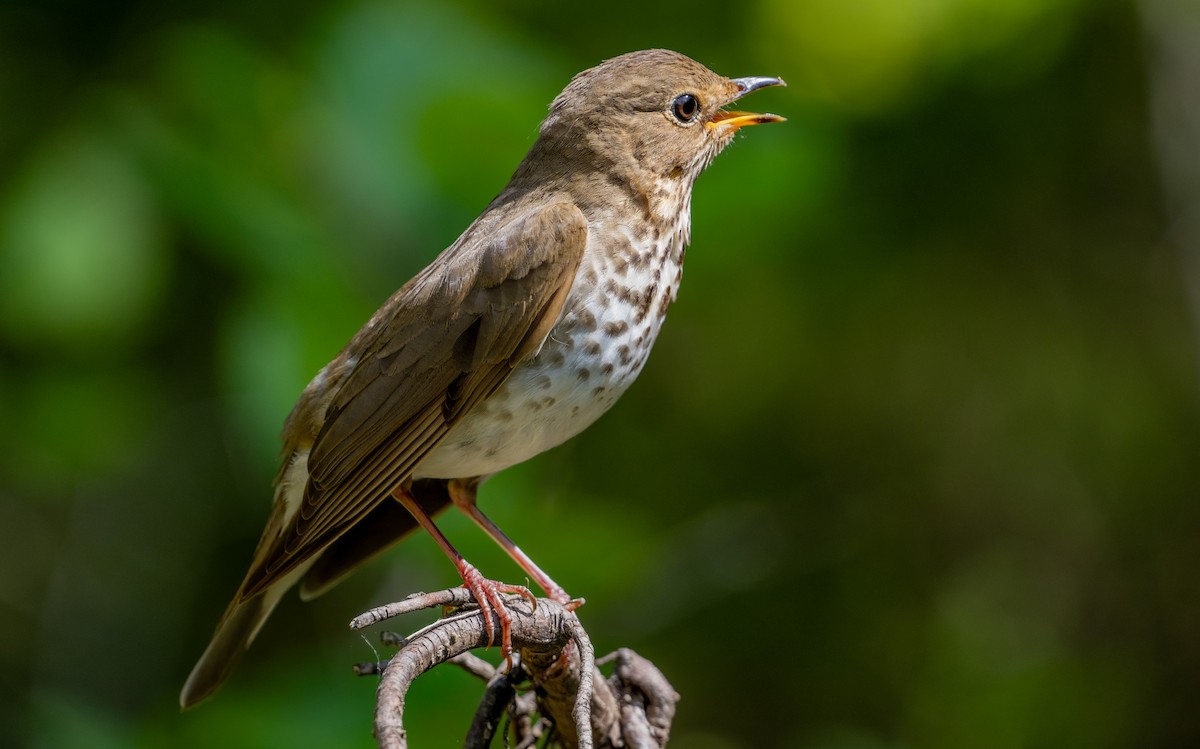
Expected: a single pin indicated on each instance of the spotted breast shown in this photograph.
(624, 286)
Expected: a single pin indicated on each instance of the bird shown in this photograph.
(515, 338)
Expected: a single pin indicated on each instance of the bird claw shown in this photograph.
(556, 593)
(487, 594)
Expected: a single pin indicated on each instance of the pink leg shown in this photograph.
(463, 496)
(486, 592)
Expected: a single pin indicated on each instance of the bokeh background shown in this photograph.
(915, 463)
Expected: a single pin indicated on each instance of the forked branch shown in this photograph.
(553, 691)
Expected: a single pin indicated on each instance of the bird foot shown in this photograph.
(556, 593)
(568, 603)
(487, 594)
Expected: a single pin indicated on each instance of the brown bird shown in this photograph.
(517, 337)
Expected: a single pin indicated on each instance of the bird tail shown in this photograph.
(233, 635)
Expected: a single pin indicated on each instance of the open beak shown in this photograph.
(731, 121)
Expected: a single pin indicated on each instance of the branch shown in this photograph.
(570, 700)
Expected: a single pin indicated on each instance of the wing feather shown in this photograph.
(440, 346)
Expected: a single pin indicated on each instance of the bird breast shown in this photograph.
(625, 284)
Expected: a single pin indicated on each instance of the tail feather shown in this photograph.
(384, 526)
(235, 632)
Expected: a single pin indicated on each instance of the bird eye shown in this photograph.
(687, 106)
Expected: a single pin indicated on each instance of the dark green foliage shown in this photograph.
(926, 408)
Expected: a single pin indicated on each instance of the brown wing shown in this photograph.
(438, 347)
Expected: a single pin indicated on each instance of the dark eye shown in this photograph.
(686, 107)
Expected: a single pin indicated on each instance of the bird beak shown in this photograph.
(731, 121)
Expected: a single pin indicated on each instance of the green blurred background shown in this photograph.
(915, 463)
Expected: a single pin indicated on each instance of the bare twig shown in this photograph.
(500, 693)
(569, 697)
(647, 700)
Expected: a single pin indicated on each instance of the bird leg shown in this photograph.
(486, 592)
(462, 493)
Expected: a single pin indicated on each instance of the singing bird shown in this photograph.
(517, 337)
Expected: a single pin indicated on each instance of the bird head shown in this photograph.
(653, 111)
